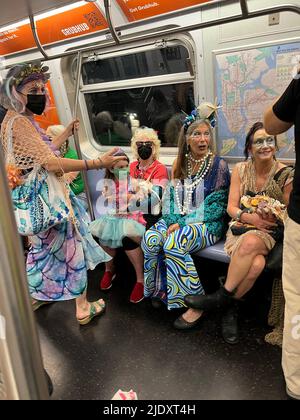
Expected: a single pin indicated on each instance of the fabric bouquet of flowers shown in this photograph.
(260, 204)
(263, 203)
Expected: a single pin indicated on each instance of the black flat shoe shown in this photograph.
(181, 324)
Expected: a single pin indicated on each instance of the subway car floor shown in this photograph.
(134, 346)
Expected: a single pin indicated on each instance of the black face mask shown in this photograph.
(144, 152)
(36, 103)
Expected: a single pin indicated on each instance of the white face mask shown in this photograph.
(264, 142)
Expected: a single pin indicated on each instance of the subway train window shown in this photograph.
(143, 64)
(150, 85)
(114, 115)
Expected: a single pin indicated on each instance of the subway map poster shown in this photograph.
(246, 83)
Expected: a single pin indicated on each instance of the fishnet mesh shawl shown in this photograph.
(28, 147)
(29, 150)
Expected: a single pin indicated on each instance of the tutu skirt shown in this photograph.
(111, 230)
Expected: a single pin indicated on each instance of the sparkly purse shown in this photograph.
(238, 228)
(39, 199)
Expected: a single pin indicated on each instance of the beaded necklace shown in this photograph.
(202, 167)
(192, 183)
(270, 176)
(140, 171)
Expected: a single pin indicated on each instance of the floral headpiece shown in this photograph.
(190, 119)
(205, 111)
(25, 73)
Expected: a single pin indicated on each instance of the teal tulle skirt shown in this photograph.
(112, 229)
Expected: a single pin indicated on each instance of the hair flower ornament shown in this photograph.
(205, 111)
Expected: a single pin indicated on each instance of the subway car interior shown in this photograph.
(117, 66)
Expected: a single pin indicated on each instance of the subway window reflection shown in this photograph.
(115, 115)
(157, 62)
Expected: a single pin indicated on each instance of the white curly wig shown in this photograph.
(145, 133)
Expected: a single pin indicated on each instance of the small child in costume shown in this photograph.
(53, 131)
(114, 228)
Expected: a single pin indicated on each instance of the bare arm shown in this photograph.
(234, 193)
(60, 140)
(71, 165)
(273, 124)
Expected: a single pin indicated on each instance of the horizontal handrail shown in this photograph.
(128, 39)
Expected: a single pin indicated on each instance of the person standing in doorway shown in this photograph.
(278, 118)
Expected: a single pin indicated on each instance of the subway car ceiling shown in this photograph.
(140, 62)
(13, 11)
(124, 18)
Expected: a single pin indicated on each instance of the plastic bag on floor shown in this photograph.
(125, 395)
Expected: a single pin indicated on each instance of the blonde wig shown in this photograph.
(145, 133)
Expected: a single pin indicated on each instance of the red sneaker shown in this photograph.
(137, 294)
(106, 281)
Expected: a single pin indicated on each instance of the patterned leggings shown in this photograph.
(169, 270)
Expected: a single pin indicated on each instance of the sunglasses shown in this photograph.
(144, 143)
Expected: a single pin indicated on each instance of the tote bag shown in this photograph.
(40, 201)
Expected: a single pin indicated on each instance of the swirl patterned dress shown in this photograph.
(59, 258)
(199, 229)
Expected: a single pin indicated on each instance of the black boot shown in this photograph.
(218, 300)
(229, 324)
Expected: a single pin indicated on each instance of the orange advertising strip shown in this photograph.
(80, 21)
(141, 9)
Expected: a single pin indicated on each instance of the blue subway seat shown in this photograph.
(215, 252)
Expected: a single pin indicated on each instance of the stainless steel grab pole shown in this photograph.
(76, 137)
(22, 375)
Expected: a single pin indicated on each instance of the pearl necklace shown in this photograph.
(190, 157)
(192, 185)
(190, 170)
